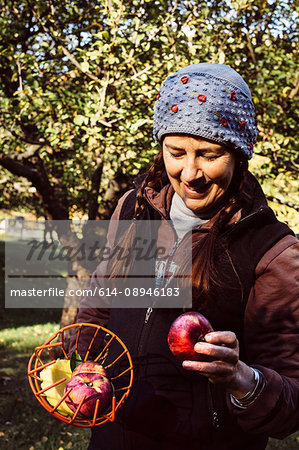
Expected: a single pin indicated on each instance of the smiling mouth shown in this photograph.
(198, 189)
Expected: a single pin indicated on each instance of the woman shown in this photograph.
(243, 281)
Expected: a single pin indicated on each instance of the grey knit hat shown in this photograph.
(211, 101)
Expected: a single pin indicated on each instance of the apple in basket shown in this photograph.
(186, 330)
(89, 379)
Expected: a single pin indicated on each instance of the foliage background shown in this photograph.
(78, 82)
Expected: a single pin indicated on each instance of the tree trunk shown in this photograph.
(71, 303)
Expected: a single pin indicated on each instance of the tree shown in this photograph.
(78, 82)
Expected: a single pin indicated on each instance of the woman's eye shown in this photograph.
(176, 155)
(210, 157)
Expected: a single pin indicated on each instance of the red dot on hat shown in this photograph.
(201, 98)
(184, 79)
(174, 108)
(224, 122)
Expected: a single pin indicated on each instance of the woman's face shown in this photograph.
(200, 171)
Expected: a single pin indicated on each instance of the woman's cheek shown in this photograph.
(221, 173)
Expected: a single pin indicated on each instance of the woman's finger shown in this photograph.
(217, 352)
(227, 338)
(210, 369)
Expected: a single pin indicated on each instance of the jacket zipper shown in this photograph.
(149, 310)
(215, 415)
(144, 329)
(244, 220)
(148, 314)
(216, 423)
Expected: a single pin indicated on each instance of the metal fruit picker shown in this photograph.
(48, 385)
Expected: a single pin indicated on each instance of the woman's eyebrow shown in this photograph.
(174, 147)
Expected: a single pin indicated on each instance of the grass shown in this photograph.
(40, 259)
(24, 423)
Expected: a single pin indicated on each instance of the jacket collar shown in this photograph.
(254, 200)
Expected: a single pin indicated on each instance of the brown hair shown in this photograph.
(153, 178)
(204, 275)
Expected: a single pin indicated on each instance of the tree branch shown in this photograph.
(20, 77)
(73, 59)
(295, 90)
(16, 167)
(251, 51)
(63, 48)
(55, 205)
(134, 38)
(22, 138)
(168, 16)
(95, 186)
(136, 75)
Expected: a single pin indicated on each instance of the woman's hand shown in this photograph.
(225, 368)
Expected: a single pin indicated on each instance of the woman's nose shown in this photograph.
(191, 171)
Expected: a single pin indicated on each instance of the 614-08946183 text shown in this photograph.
(108, 292)
(140, 291)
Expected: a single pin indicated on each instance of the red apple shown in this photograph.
(89, 379)
(186, 330)
(90, 367)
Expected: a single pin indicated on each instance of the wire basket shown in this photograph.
(119, 370)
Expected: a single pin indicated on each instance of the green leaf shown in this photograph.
(85, 66)
(75, 360)
(79, 119)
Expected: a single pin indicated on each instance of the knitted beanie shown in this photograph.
(211, 101)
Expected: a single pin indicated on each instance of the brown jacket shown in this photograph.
(271, 335)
